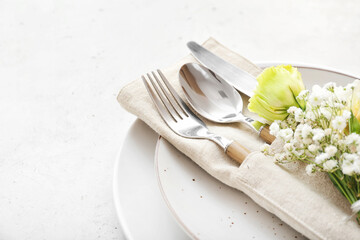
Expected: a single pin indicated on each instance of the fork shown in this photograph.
(182, 120)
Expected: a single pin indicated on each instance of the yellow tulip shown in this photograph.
(276, 92)
(355, 108)
(355, 102)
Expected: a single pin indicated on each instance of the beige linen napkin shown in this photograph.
(311, 205)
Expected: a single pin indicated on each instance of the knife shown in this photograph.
(239, 79)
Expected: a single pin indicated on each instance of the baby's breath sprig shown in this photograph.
(322, 135)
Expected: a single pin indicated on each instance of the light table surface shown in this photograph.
(62, 64)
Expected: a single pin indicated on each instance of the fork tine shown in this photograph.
(170, 98)
(163, 99)
(179, 101)
(164, 112)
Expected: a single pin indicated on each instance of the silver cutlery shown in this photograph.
(234, 76)
(182, 120)
(215, 99)
(238, 78)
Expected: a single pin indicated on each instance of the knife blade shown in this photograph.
(239, 79)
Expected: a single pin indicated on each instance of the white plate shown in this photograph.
(208, 209)
(139, 206)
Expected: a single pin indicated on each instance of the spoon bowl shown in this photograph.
(214, 98)
(210, 95)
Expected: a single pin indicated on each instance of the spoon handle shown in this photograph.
(264, 133)
(237, 152)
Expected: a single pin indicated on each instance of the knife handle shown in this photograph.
(237, 152)
(265, 134)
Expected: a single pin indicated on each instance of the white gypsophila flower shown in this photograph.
(298, 152)
(306, 131)
(292, 109)
(327, 131)
(330, 86)
(352, 138)
(288, 147)
(336, 137)
(322, 92)
(310, 169)
(315, 99)
(310, 115)
(274, 128)
(290, 120)
(338, 105)
(357, 167)
(303, 95)
(300, 127)
(297, 134)
(313, 147)
(325, 112)
(331, 150)
(350, 164)
(318, 134)
(298, 144)
(346, 114)
(347, 168)
(352, 141)
(351, 157)
(315, 96)
(299, 115)
(339, 123)
(321, 158)
(343, 93)
(286, 134)
(329, 165)
(307, 141)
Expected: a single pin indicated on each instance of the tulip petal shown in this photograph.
(276, 91)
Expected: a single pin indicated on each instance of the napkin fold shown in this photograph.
(310, 204)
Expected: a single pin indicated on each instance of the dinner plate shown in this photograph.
(138, 203)
(208, 209)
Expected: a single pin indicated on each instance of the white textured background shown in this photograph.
(62, 64)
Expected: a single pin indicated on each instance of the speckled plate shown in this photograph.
(208, 209)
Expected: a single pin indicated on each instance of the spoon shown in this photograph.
(215, 99)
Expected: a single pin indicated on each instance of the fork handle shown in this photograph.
(237, 152)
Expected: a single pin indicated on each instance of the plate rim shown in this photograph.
(260, 64)
(308, 66)
(129, 225)
(115, 185)
(167, 202)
